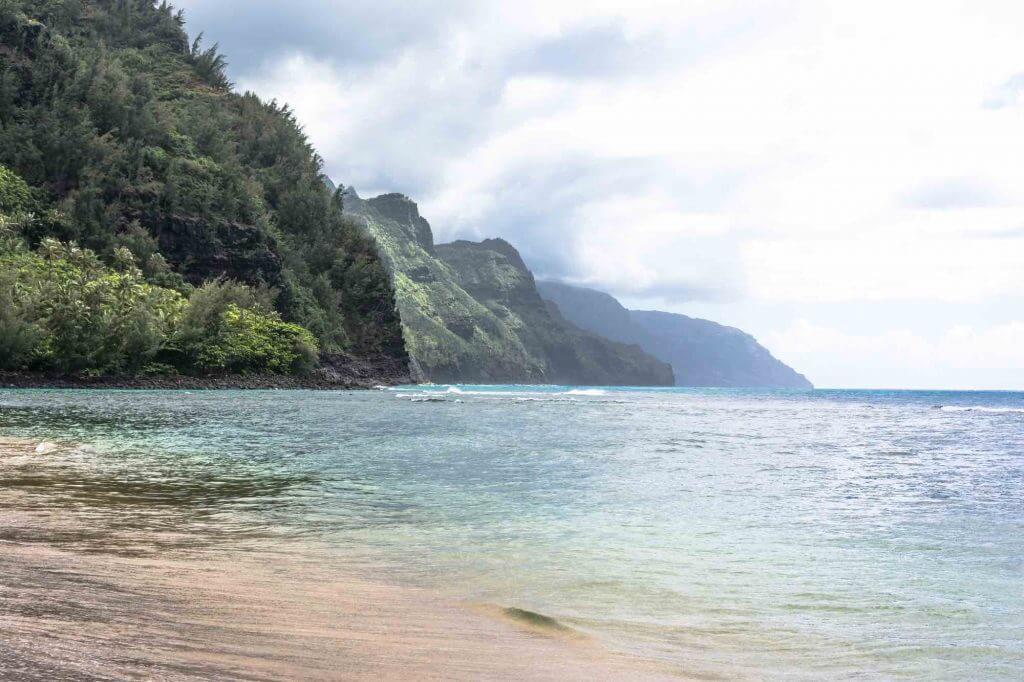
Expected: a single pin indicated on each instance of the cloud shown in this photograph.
(952, 193)
(978, 357)
(256, 34)
(770, 151)
(583, 52)
(1006, 95)
(848, 269)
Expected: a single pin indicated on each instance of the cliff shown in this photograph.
(701, 352)
(471, 311)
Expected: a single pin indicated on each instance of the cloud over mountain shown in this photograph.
(777, 150)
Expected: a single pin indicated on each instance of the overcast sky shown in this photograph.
(844, 180)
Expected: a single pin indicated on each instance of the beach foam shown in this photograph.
(982, 408)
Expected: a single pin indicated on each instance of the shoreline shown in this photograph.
(270, 617)
(282, 610)
(336, 373)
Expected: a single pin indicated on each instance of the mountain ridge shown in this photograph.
(701, 352)
(471, 311)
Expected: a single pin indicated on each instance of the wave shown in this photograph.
(586, 391)
(983, 409)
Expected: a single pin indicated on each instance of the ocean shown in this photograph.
(732, 534)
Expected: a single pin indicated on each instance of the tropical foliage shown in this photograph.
(130, 144)
(63, 310)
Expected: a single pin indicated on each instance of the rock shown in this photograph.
(471, 312)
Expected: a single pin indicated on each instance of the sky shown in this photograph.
(843, 180)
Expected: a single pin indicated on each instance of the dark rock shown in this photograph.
(201, 252)
(336, 372)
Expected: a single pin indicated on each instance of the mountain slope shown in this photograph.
(133, 142)
(471, 311)
(702, 353)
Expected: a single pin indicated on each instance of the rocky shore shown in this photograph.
(336, 372)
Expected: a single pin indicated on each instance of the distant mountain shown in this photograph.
(702, 353)
(471, 311)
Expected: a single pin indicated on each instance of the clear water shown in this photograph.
(751, 534)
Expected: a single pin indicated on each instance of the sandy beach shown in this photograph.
(67, 614)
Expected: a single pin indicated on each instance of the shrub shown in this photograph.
(94, 318)
(63, 310)
(15, 196)
(251, 340)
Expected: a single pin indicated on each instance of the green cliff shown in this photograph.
(135, 150)
(471, 311)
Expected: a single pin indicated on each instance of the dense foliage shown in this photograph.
(62, 310)
(134, 147)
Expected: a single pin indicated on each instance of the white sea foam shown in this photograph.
(586, 391)
(981, 408)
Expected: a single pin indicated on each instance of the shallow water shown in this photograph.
(751, 534)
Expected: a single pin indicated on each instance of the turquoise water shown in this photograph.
(752, 534)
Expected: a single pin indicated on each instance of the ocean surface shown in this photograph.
(720, 533)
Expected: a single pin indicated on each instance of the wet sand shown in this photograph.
(284, 613)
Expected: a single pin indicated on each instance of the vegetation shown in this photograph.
(63, 310)
(137, 184)
(472, 312)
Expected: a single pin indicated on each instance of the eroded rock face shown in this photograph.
(201, 252)
(471, 311)
(401, 210)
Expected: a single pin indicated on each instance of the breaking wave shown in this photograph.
(981, 408)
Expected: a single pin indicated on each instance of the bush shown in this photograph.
(91, 318)
(15, 196)
(250, 340)
(229, 327)
(20, 335)
(63, 310)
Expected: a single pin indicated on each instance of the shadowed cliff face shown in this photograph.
(702, 353)
(471, 311)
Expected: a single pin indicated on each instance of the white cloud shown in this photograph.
(990, 357)
(894, 268)
(778, 150)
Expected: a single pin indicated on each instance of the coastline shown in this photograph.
(287, 610)
(337, 372)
